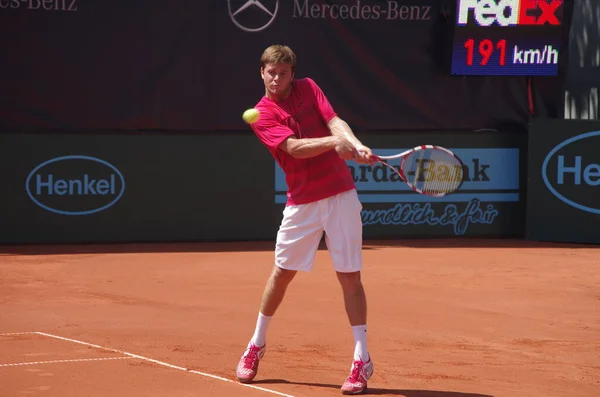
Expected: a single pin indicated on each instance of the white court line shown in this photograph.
(65, 361)
(163, 363)
(17, 333)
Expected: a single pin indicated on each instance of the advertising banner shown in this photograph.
(489, 202)
(563, 189)
(511, 37)
(108, 187)
(60, 188)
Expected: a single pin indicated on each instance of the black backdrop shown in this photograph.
(91, 65)
(563, 184)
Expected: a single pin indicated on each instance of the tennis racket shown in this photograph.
(427, 169)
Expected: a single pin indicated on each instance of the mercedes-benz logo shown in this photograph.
(268, 13)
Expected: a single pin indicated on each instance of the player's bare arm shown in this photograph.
(340, 128)
(310, 147)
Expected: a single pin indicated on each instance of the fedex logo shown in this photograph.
(509, 12)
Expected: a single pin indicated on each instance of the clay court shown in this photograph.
(448, 318)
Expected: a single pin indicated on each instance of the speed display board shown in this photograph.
(507, 37)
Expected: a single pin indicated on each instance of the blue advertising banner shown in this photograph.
(492, 182)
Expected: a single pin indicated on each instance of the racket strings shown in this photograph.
(433, 172)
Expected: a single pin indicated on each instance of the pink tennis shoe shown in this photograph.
(356, 383)
(248, 365)
(360, 373)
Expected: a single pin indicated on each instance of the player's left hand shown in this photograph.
(364, 155)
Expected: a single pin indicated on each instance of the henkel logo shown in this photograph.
(75, 185)
(510, 12)
(571, 172)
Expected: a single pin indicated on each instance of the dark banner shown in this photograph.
(563, 189)
(91, 65)
(166, 187)
(119, 188)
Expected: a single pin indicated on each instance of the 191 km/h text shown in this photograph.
(482, 51)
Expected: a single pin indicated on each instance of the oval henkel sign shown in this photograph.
(75, 185)
(572, 173)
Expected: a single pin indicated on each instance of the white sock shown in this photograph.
(361, 352)
(260, 333)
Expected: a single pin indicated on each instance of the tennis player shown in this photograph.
(311, 143)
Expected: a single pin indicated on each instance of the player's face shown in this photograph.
(277, 78)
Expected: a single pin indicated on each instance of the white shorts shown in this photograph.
(302, 228)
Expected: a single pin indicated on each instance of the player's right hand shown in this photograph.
(345, 149)
(365, 155)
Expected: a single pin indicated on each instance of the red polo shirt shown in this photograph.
(303, 114)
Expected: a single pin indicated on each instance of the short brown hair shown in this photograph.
(278, 54)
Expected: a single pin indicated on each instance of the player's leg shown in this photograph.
(271, 299)
(273, 294)
(297, 242)
(343, 230)
(275, 289)
(355, 302)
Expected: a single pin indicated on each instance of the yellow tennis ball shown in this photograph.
(251, 115)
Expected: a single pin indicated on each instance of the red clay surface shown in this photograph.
(447, 318)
